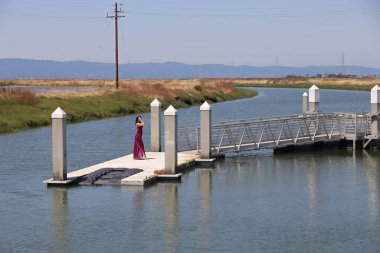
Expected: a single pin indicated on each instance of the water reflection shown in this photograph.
(312, 177)
(60, 219)
(372, 176)
(139, 207)
(205, 189)
(155, 197)
(259, 170)
(171, 193)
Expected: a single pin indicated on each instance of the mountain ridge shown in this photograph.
(13, 68)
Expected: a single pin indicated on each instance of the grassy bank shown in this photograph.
(21, 110)
(189, 84)
(322, 83)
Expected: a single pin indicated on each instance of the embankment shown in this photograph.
(364, 83)
(20, 110)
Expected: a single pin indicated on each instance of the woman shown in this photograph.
(138, 147)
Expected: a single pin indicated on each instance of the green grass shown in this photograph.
(15, 116)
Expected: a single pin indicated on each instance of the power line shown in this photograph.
(302, 7)
(330, 8)
(259, 15)
(105, 34)
(124, 42)
(50, 16)
(57, 5)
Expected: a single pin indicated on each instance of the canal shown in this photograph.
(325, 201)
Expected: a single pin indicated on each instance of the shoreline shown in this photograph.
(364, 84)
(17, 115)
(22, 110)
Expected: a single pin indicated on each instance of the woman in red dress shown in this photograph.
(138, 147)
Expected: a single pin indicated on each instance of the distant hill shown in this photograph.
(44, 69)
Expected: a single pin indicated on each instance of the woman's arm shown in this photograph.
(141, 123)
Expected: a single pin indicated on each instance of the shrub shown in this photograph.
(19, 96)
(197, 88)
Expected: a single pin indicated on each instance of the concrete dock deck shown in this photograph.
(153, 167)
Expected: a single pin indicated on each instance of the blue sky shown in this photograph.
(239, 32)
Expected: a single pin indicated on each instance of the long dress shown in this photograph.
(138, 147)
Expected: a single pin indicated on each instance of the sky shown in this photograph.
(238, 32)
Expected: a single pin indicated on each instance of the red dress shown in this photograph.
(138, 147)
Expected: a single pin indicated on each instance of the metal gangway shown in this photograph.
(277, 132)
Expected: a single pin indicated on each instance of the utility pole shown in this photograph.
(116, 16)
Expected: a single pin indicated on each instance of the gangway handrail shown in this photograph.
(273, 132)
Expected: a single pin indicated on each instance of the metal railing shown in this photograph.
(188, 138)
(235, 136)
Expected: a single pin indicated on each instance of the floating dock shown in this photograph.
(151, 169)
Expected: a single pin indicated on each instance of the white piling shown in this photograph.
(155, 126)
(305, 102)
(314, 99)
(59, 145)
(171, 154)
(375, 110)
(205, 130)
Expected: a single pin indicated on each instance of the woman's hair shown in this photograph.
(137, 119)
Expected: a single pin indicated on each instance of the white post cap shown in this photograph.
(58, 114)
(205, 107)
(375, 98)
(170, 111)
(314, 94)
(305, 94)
(155, 103)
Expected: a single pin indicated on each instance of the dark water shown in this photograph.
(301, 202)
